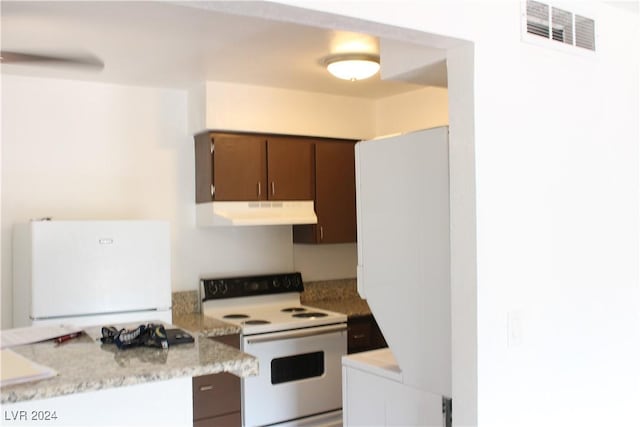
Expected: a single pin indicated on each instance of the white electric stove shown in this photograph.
(299, 349)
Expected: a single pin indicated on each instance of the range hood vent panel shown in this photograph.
(215, 214)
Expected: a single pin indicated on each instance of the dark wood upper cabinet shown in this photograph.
(230, 167)
(290, 166)
(335, 200)
(239, 167)
(244, 167)
(204, 167)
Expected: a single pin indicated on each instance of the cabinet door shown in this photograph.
(239, 167)
(204, 167)
(335, 192)
(364, 334)
(215, 395)
(290, 166)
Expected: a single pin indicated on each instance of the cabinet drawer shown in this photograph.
(229, 420)
(216, 394)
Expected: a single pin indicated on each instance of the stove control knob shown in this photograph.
(287, 282)
(296, 281)
(223, 288)
(275, 284)
(212, 288)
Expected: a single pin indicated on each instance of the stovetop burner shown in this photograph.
(235, 316)
(310, 314)
(293, 309)
(255, 322)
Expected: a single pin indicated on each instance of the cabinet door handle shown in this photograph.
(273, 188)
(259, 189)
(206, 387)
(359, 336)
(321, 233)
(213, 190)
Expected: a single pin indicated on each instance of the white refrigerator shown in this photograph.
(402, 192)
(89, 273)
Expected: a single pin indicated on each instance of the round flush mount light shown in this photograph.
(353, 66)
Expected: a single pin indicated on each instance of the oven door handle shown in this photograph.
(299, 333)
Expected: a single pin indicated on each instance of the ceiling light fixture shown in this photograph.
(353, 67)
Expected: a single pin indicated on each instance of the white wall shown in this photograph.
(326, 262)
(558, 227)
(555, 137)
(410, 111)
(232, 106)
(76, 150)
(2, 298)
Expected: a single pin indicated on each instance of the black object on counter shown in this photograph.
(178, 336)
(149, 335)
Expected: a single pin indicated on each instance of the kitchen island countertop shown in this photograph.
(84, 365)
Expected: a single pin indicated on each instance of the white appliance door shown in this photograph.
(403, 250)
(374, 395)
(81, 268)
(300, 374)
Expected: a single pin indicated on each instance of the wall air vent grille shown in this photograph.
(559, 25)
(585, 29)
(538, 19)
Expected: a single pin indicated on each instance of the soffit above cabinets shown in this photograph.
(160, 44)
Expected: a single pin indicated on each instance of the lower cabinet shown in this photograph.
(363, 334)
(216, 397)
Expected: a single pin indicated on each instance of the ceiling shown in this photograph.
(160, 44)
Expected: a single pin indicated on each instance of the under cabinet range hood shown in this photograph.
(214, 214)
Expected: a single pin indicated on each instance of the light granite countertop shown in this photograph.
(85, 365)
(199, 324)
(336, 295)
(352, 307)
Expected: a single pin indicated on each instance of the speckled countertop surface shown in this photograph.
(352, 307)
(84, 365)
(335, 295)
(203, 325)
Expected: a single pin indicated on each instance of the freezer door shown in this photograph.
(403, 250)
(93, 267)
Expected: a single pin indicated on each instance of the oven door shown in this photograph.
(300, 374)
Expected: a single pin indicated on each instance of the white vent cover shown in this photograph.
(559, 25)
